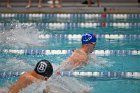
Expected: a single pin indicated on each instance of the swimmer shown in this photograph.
(80, 56)
(42, 71)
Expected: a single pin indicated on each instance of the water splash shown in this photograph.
(58, 84)
(99, 62)
(21, 36)
(14, 65)
(36, 87)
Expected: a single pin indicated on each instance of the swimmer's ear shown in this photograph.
(94, 35)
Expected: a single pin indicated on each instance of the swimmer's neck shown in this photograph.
(86, 50)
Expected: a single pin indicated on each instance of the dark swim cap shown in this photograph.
(44, 68)
(88, 38)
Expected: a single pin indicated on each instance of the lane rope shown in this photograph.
(87, 16)
(72, 25)
(78, 36)
(85, 74)
(61, 52)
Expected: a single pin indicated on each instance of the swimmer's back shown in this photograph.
(78, 57)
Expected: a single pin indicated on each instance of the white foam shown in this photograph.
(58, 84)
(99, 62)
(15, 65)
(20, 37)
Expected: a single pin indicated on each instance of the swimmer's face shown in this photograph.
(92, 46)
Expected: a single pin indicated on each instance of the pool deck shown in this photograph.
(73, 8)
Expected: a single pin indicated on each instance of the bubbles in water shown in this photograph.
(20, 37)
(37, 87)
(99, 62)
(14, 65)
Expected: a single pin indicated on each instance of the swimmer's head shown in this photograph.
(44, 68)
(88, 38)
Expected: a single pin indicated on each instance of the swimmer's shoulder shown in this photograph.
(27, 76)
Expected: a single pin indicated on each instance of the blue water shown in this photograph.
(112, 63)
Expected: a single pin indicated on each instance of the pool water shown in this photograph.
(58, 31)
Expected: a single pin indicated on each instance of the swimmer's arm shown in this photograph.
(23, 82)
(73, 62)
(70, 64)
(65, 65)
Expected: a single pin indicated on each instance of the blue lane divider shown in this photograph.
(85, 74)
(72, 25)
(78, 36)
(9, 74)
(71, 16)
(60, 52)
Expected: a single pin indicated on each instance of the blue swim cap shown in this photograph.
(88, 38)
